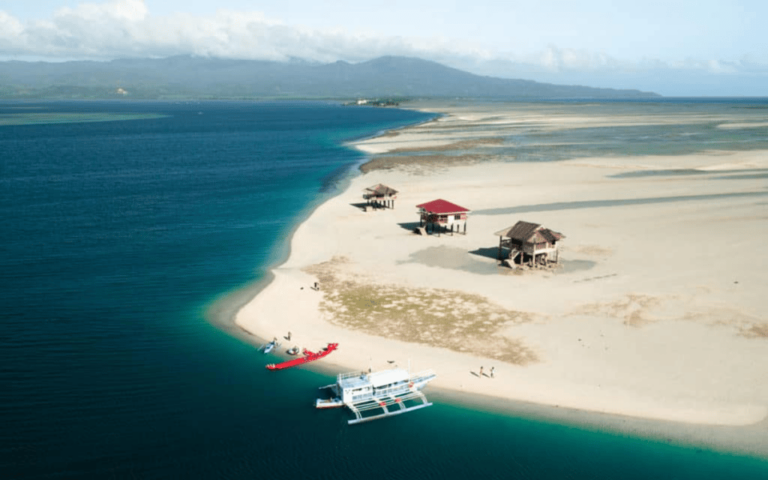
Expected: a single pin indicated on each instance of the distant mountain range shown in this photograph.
(185, 77)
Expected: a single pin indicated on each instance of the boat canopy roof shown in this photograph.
(387, 377)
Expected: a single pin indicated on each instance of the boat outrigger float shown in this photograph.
(387, 391)
(306, 357)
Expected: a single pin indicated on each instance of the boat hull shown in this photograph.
(377, 395)
(308, 357)
(329, 403)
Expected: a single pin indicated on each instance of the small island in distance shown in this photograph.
(190, 77)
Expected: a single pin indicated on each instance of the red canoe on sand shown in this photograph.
(308, 357)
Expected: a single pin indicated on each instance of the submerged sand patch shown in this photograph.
(460, 145)
(57, 118)
(422, 163)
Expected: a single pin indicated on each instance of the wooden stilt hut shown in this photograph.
(443, 216)
(531, 242)
(380, 196)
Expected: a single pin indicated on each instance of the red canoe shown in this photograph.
(308, 357)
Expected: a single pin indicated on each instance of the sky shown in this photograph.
(671, 47)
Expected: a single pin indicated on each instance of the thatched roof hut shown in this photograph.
(381, 195)
(529, 240)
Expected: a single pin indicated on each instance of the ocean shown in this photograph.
(126, 224)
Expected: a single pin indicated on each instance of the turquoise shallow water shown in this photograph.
(117, 238)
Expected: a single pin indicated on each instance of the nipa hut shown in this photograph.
(531, 242)
(380, 195)
(443, 216)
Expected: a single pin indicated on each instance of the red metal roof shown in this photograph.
(441, 206)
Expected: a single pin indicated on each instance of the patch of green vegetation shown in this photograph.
(443, 318)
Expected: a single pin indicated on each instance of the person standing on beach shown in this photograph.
(481, 372)
(492, 369)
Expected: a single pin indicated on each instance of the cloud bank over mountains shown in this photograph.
(128, 29)
(125, 28)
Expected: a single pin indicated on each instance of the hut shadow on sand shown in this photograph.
(410, 226)
(491, 252)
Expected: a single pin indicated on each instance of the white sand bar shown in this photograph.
(659, 309)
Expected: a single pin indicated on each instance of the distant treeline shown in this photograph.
(185, 77)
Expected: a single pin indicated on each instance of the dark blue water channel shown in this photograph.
(117, 236)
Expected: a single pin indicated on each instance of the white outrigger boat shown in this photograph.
(386, 392)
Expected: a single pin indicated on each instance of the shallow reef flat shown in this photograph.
(27, 118)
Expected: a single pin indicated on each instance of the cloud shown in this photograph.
(127, 28)
(10, 29)
(558, 59)
(129, 10)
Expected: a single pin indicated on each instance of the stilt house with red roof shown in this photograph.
(530, 243)
(443, 216)
(380, 195)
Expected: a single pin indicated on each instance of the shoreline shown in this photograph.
(223, 310)
(291, 273)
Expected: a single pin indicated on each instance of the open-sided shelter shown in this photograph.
(380, 195)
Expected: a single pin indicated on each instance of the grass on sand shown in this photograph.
(442, 318)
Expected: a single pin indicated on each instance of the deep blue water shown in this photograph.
(117, 237)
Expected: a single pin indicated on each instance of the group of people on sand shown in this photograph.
(492, 370)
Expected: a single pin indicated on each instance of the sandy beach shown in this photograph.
(656, 310)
